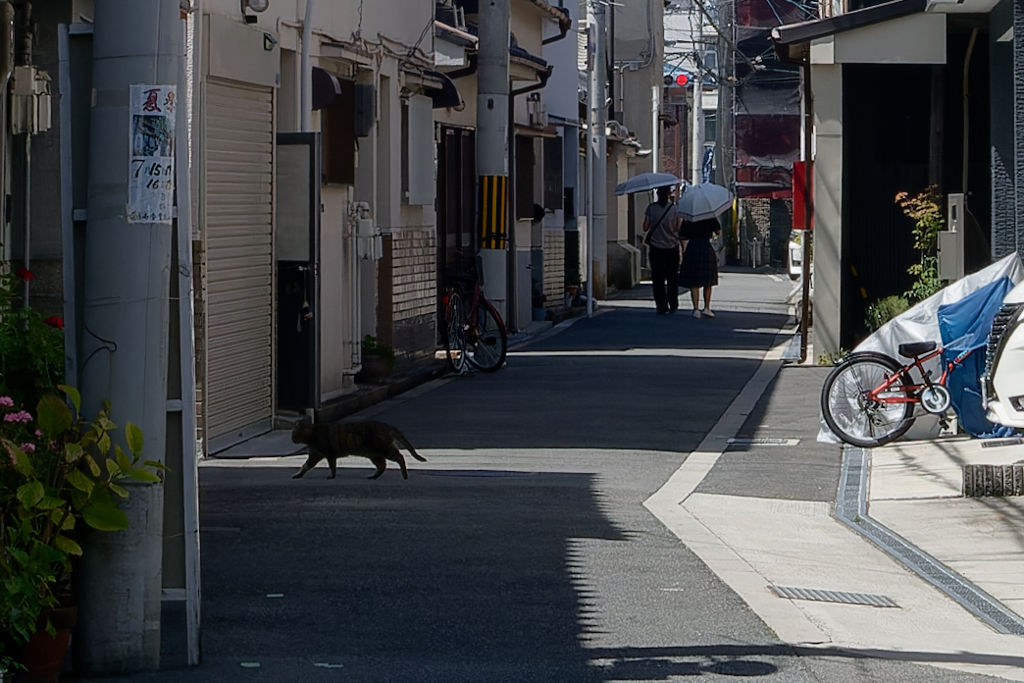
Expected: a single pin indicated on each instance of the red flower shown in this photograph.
(55, 322)
(25, 274)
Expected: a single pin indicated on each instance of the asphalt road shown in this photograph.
(521, 551)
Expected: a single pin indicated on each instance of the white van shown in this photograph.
(1002, 385)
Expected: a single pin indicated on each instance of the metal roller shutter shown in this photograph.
(239, 257)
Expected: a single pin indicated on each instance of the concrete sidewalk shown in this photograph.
(916, 489)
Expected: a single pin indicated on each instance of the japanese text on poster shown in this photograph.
(151, 153)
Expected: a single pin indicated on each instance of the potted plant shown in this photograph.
(59, 473)
(378, 360)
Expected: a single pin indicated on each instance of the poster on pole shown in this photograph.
(151, 153)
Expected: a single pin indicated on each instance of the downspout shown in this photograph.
(306, 79)
(967, 108)
(27, 39)
(511, 311)
(561, 15)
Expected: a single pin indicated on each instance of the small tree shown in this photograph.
(926, 210)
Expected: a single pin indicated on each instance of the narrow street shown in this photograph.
(522, 550)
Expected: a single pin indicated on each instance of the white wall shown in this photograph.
(561, 91)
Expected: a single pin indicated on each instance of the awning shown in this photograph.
(326, 88)
(794, 35)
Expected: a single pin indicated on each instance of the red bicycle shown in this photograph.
(868, 399)
(475, 334)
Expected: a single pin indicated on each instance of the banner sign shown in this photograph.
(151, 153)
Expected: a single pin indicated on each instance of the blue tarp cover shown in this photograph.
(965, 325)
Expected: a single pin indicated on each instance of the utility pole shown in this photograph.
(697, 125)
(492, 139)
(598, 278)
(127, 267)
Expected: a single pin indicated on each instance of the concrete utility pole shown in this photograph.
(697, 125)
(126, 315)
(599, 152)
(492, 135)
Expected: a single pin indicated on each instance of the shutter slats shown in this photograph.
(239, 239)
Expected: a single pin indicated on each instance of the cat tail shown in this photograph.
(400, 438)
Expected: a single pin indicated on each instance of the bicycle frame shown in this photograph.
(911, 392)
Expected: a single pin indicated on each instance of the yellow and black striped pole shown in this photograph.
(493, 202)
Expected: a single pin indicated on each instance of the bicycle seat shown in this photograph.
(915, 349)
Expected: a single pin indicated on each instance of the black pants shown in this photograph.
(664, 270)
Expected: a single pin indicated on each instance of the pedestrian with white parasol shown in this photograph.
(699, 208)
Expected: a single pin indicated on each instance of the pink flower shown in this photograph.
(38, 433)
(20, 416)
(6, 401)
(28, 447)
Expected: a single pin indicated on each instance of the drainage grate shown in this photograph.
(982, 481)
(851, 510)
(997, 443)
(843, 597)
(475, 473)
(763, 441)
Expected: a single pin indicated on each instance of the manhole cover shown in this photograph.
(843, 597)
(763, 441)
(477, 473)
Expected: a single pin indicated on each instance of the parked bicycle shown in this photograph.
(474, 331)
(868, 400)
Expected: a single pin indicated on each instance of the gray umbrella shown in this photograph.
(647, 181)
(706, 200)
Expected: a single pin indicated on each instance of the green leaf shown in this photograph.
(134, 437)
(49, 503)
(105, 424)
(142, 474)
(81, 482)
(64, 518)
(21, 460)
(93, 467)
(76, 398)
(120, 491)
(103, 514)
(122, 460)
(104, 443)
(67, 545)
(53, 415)
(156, 465)
(73, 451)
(112, 469)
(31, 493)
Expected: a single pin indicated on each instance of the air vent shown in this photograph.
(868, 599)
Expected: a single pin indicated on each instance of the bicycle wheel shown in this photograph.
(455, 332)
(852, 415)
(487, 339)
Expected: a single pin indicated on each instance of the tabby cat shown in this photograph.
(371, 439)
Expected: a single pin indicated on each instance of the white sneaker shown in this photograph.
(708, 313)
(696, 313)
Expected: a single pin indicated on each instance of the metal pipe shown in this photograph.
(28, 212)
(967, 108)
(599, 150)
(306, 77)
